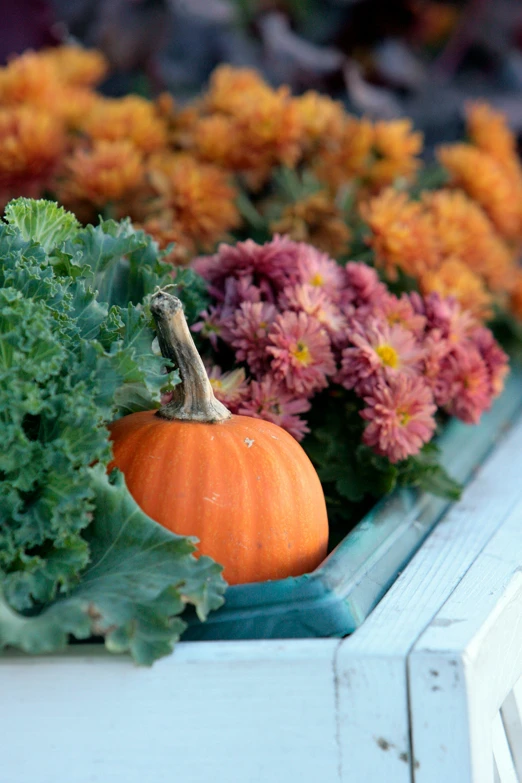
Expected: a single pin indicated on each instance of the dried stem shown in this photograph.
(193, 398)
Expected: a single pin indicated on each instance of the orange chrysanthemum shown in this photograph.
(322, 119)
(194, 198)
(264, 129)
(30, 79)
(315, 220)
(216, 141)
(103, 174)
(131, 118)
(377, 154)
(180, 124)
(403, 235)
(489, 132)
(395, 152)
(34, 79)
(486, 181)
(465, 232)
(229, 85)
(445, 241)
(76, 66)
(453, 278)
(31, 143)
(348, 158)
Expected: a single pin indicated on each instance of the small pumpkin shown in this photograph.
(243, 486)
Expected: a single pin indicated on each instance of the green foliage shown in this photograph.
(76, 351)
(431, 177)
(41, 221)
(139, 579)
(425, 471)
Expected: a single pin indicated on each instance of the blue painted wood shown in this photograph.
(338, 596)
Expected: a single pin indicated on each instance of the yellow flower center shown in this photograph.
(388, 355)
(317, 280)
(394, 318)
(302, 353)
(404, 417)
(216, 383)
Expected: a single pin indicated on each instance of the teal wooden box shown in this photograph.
(336, 598)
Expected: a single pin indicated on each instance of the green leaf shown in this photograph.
(124, 263)
(42, 221)
(425, 471)
(139, 580)
(191, 288)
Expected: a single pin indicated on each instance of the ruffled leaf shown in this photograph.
(41, 221)
(139, 580)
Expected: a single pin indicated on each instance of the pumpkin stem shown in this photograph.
(193, 398)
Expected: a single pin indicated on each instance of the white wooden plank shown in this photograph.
(512, 719)
(478, 631)
(371, 664)
(502, 754)
(248, 712)
(442, 707)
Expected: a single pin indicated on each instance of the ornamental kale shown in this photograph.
(76, 351)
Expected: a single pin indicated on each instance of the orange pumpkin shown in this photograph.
(243, 486)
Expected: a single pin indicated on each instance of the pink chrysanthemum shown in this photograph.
(361, 285)
(447, 315)
(249, 333)
(238, 290)
(436, 351)
(317, 269)
(268, 400)
(302, 356)
(400, 311)
(275, 261)
(401, 417)
(230, 388)
(215, 323)
(494, 358)
(315, 302)
(378, 351)
(471, 387)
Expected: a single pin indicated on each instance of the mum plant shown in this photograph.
(332, 355)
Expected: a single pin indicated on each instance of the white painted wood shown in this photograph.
(512, 719)
(249, 712)
(374, 723)
(502, 753)
(478, 631)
